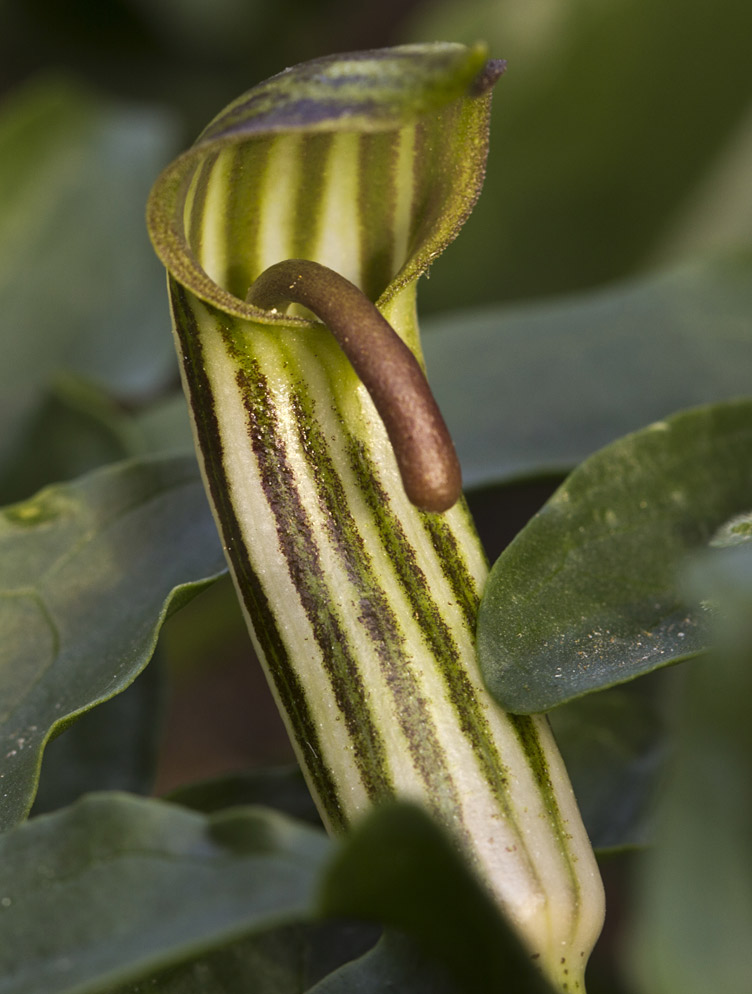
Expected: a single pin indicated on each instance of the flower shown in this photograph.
(362, 605)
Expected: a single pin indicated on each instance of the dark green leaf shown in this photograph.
(586, 596)
(79, 288)
(74, 428)
(115, 888)
(613, 745)
(398, 868)
(112, 747)
(165, 426)
(88, 573)
(283, 789)
(537, 389)
(395, 964)
(270, 963)
(693, 913)
(281, 961)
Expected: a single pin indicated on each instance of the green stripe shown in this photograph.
(195, 224)
(428, 615)
(315, 153)
(373, 176)
(376, 617)
(243, 217)
(435, 172)
(377, 160)
(379, 88)
(286, 680)
(299, 548)
(527, 734)
(453, 565)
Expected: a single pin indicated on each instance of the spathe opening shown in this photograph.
(364, 204)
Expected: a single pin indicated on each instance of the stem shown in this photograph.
(421, 441)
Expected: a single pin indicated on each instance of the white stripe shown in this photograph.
(259, 528)
(276, 201)
(213, 252)
(339, 236)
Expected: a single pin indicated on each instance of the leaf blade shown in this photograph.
(127, 886)
(90, 570)
(74, 170)
(586, 596)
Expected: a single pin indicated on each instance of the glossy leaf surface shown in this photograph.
(89, 572)
(126, 886)
(286, 960)
(270, 963)
(586, 596)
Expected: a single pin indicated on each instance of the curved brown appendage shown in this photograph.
(390, 372)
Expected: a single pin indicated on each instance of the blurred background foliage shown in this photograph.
(621, 150)
(621, 144)
(622, 135)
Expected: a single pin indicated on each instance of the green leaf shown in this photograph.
(88, 573)
(111, 747)
(725, 570)
(75, 427)
(552, 382)
(284, 960)
(398, 868)
(395, 964)
(115, 888)
(283, 789)
(270, 963)
(586, 596)
(693, 909)
(165, 426)
(613, 745)
(79, 288)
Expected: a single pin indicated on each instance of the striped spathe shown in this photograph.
(361, 606)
